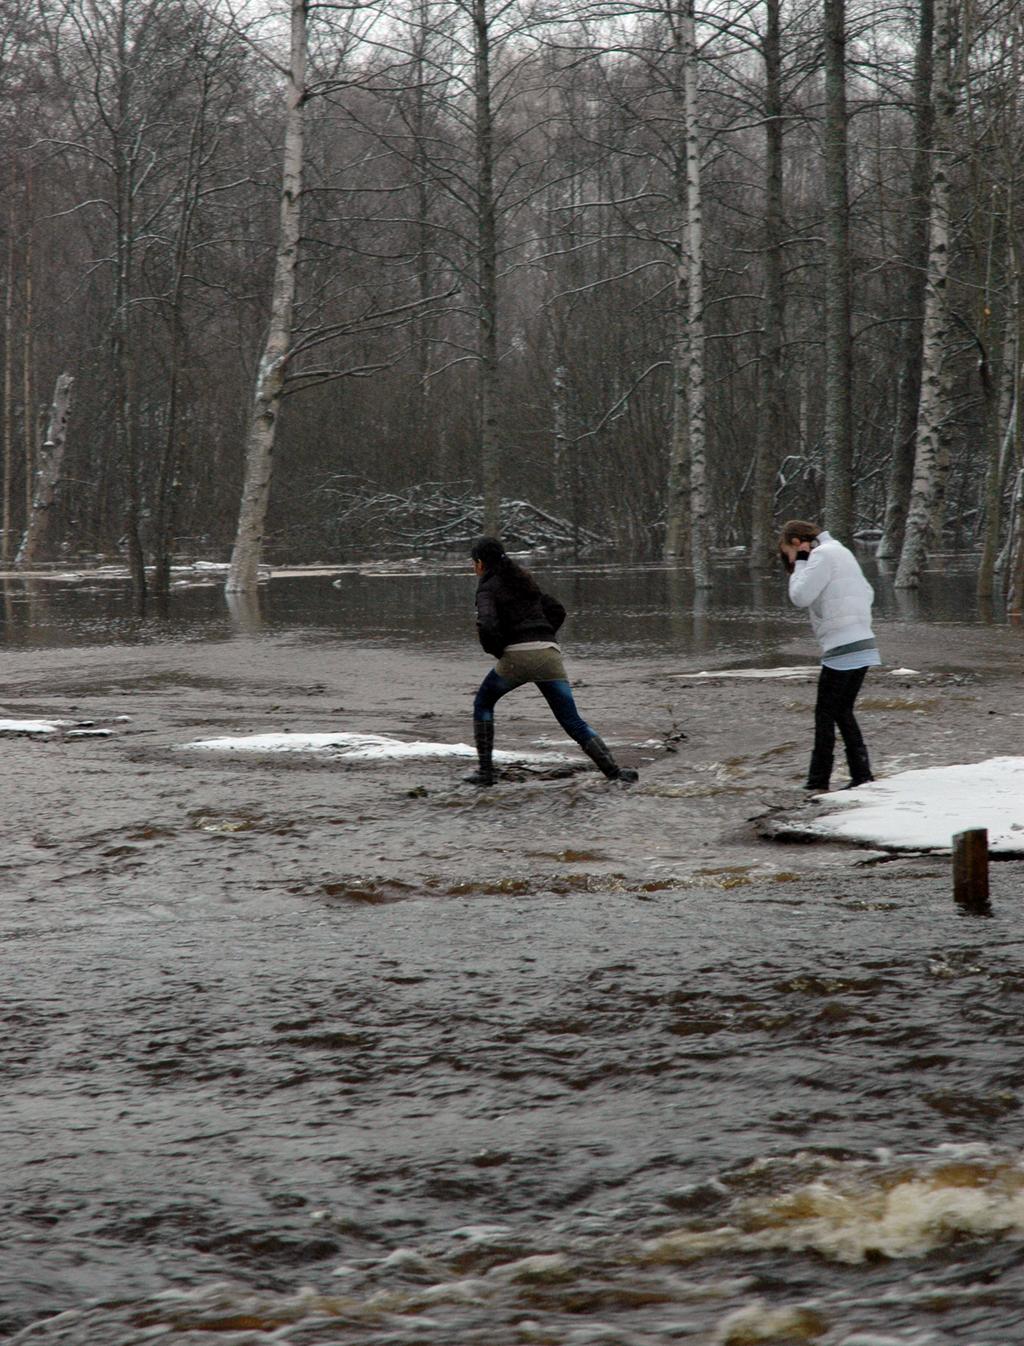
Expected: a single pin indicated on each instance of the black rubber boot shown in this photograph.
(483, 736)
(597, 750)
(819, 773)
(860, 766)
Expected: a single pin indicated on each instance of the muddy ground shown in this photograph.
(139, 820)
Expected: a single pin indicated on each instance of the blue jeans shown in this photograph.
(558, 695)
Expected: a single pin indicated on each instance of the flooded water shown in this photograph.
(309, 1051)
(617, 608)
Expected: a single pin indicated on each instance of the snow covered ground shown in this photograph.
(800, 671)
(796, 671)
(923, 810)
(364, 747)
(31, 726)
(67, 728)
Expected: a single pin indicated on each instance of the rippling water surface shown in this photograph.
(631, 608)
(587, 1100)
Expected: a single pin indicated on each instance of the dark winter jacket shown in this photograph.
(507, 616)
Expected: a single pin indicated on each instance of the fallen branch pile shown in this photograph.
(441, 516)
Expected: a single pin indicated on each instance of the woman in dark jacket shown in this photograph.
(518, 624)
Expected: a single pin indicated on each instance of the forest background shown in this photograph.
(637, 275)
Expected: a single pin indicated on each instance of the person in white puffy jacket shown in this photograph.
(826, 579)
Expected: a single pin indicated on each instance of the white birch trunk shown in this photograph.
(899, 480)
(695, 258)
(690, 401)
(243, 574)
(933, 403)
(48, 475)
(8, 432)
(772, 344)
(997, 423)
(487, 270)
(28, 395)
(677, 504)
(1015, 580)
(677, 511)
(560, 418)
(1009, 455)
(1010, 417)
(1015, 541)
(838, 338)
(1006, 455)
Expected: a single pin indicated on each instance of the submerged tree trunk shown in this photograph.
(677, 508)
(1014, 445)
(699, 507)
(1015, 565)
(28, 333)
(770, 423)
(1005, 438)
(487, 270)
(1008, 454)
(243, 574)
(690, 399)
(125, 185)
(999, 413)
(838, 339)
(677, 503)
(560, 429)
(901, 463)
(934, 399)
(169, 473)
(48, 476)
(8, 434)
(425, 419)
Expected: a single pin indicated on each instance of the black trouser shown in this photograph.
(837, 691)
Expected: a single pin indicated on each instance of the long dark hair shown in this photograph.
(493, 556)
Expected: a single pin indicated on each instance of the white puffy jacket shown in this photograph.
(831, 585)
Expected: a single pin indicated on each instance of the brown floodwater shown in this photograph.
(306, 1048)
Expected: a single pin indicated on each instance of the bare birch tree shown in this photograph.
(770, 423)
(487, 265)
(243, 573)
(210, 87)
(48, 476)
(8, 389)
(693, 260)
(838, 338)
(29, 427)
(933, 406)
(900, 474)
(1000, 388)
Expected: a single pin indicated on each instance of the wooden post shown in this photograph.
(970, 868)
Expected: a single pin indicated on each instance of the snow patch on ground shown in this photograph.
(807, 671)
(32, 726)
(69, 728)
(923, 810)
(799, 671)
(360, 747)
